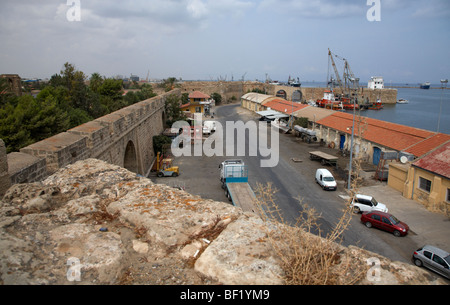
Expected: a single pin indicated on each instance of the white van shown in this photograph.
(326, 179)
(209, 126)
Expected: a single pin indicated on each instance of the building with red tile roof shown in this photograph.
(283, 106)
(428, 179)
(198, 103)
(437, 161)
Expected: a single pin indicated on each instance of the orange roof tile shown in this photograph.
(428, 144)
(284, 106)
(395, 136)
(437, 161)
(198, 94)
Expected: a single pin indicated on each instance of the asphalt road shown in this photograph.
(200, 176)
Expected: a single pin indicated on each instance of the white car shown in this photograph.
(364, 203)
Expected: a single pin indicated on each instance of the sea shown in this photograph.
(427, 109)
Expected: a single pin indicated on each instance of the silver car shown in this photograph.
(434, 259)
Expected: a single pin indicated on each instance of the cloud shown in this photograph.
(316, 9)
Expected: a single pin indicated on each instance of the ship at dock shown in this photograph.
(348, 85)
(425, 85)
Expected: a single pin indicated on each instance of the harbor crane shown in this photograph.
(338, 78)
(351, 83)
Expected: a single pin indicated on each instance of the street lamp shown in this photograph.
(443, 83)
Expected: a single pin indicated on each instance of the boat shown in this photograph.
(376, 106)
(328, 100)
(347, 104)
(312, 103)
(281, 125)
(402, 101)
(425, 85)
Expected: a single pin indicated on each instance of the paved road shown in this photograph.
(200, 176)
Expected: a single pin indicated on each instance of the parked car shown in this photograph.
(384, 221)
(364, 203)
(434, 259)
(325, 179)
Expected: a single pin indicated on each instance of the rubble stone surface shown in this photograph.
(96, 223)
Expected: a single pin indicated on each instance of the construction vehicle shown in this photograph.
(165, 167)
(234, 179)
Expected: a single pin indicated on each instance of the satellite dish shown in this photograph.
(403, 159)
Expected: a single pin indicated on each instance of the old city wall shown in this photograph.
(230, 91)
(123, 138)
(387, 96)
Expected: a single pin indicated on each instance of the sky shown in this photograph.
(409, 40)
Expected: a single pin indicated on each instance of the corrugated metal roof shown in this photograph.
(256, 97)
(438, 161)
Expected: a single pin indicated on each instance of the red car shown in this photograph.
(384, 221)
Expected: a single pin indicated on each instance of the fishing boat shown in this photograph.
(376, 106)
(425, 85)
(347, 104)
(402, 101)
(328, 100)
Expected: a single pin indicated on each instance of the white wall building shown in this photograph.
(376, 82)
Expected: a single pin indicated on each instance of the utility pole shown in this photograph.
(443, 83)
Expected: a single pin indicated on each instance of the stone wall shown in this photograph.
(14, 83)
(236, 89)
(387, 96)
(126, 134)
(230, 91)
(25, 168)
(5, 182)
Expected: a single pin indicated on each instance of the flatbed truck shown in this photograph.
(234, 179)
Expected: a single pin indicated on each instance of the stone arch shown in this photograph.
(297, 96)
(281, 93)
(130, 161)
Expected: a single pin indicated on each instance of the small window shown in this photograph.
(427, 254)
(448, 196)
(424, 184)
(440, 261)
(376, 217)
(386, 221)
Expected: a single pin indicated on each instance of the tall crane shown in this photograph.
(338, 78)
(351, 83)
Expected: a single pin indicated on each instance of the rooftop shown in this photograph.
(437, 161)
(395, 136)
(198, 94)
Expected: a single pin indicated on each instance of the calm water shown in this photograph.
(422, 111)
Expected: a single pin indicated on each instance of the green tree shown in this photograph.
(217, 98)
(95, 82)
(173, 110)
